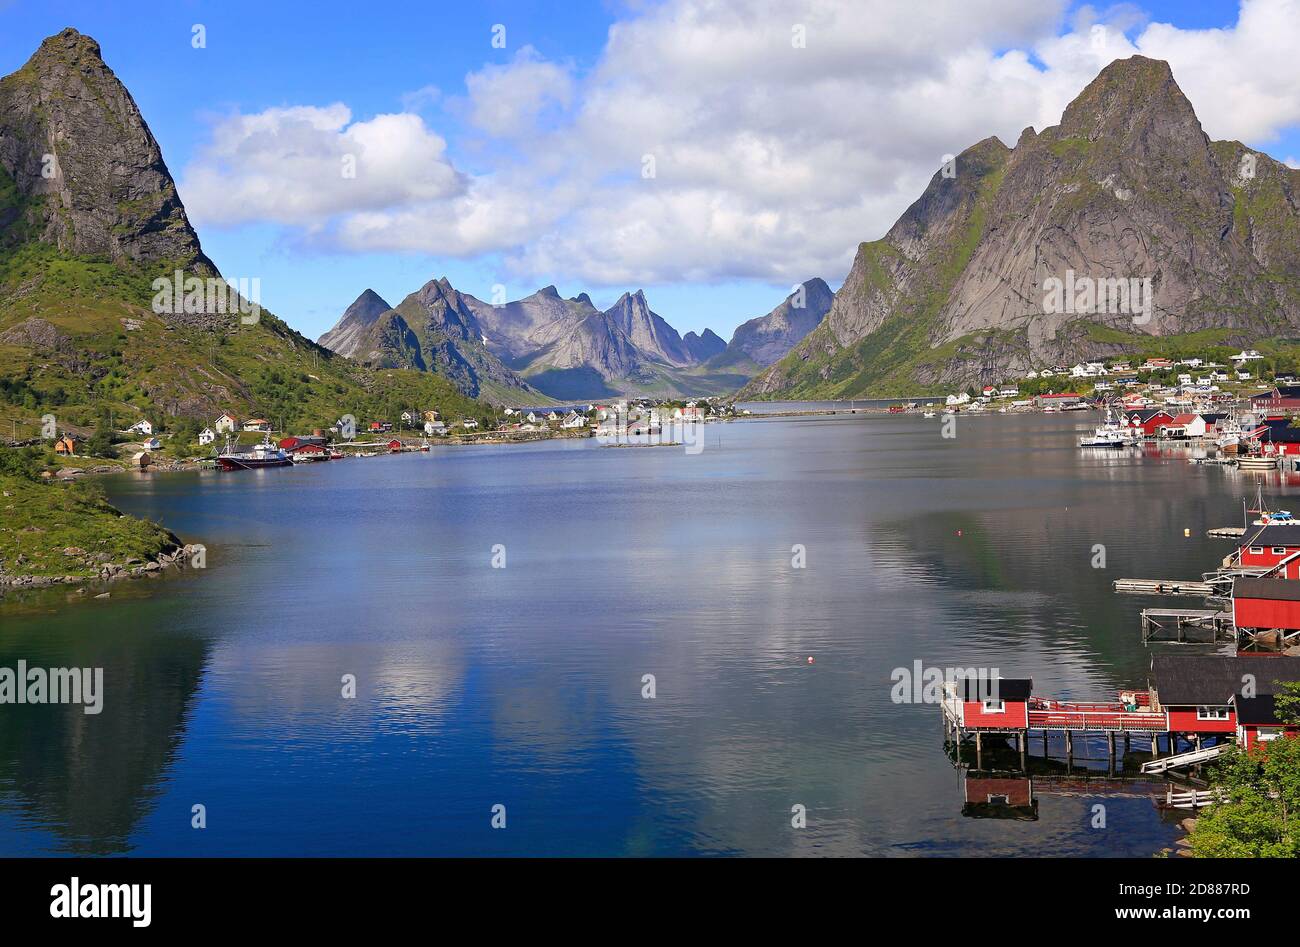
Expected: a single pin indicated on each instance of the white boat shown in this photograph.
(928, 414)
(1111, 433)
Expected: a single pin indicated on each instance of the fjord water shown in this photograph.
(522, 686)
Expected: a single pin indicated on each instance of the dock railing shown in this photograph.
(1109, 719)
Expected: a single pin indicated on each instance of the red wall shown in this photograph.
(1184, 721)
(1015, 717)
(1265, 613)
(1268, 558)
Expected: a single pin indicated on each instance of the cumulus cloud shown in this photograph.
(304, 165)
(782, 133)
(507, 100)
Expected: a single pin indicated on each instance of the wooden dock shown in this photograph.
(1174, 624)
(1193, 587)
(1226, 532)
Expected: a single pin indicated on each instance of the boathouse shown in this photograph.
(1275, 550)
(1197, 692)
(1266, 603)
(997, 704)
(1149, 422)
(1257, 721)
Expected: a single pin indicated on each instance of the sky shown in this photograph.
(711, 152)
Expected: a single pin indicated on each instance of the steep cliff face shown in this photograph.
(348, 334)
(1123, 220)
(80, 167)
(768, 338)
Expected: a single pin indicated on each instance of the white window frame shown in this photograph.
(1279, 550)
(986, 706)
(1206, 712)
(1256, 550)
(1265, 734)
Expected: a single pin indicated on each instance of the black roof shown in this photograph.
(1187, 679)
(1257, 711)
(1004, 688)
(1272, 536)
(1284, 590)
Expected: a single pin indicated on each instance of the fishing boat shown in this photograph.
(264, 454)
(1111, 433)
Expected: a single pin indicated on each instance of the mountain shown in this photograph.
(346, 337)
(566, 349)
(703, 347)
(966, 287)
(768, 338)
(92, 236)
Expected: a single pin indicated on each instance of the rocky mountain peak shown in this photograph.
(88, 175)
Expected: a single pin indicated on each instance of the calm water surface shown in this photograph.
(522, 686)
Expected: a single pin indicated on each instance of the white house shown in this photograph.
(531, 418)
(510, 412)
(957, 399)
(207, 436)
(434, 427)
(141, 427)
(257, 424)
(1243, 376)
(225, 424)
(573, 420)
(469, 423)
(1246, 356)
(153, 444)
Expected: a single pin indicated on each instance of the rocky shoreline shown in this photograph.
(177, 557)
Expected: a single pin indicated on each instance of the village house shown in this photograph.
(152, 444)
(1257, 721)
(1246, 355)
(225, 424)
(1156, 364)
(573, 420)
(1198, 692)
(434, 427)
(469, 424)
(1271, 549)
(257, 424)
(206, 436)
(1281, 398)
(1150, 422)
(141, 427)
(66, 445)
(1063, 400)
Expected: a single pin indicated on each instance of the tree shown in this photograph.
(101, 442)
(1261, 817)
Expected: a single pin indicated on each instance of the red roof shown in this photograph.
(1186, 418)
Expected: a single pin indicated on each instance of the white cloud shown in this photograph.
(771, 161)
(506, 101)
(304, 165)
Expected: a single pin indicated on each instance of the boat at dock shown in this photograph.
(265, 454)
(1110, 433)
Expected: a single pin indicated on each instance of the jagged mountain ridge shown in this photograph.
(566, 348)
(1126, 186)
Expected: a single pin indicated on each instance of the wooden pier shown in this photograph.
(1174, 624)
(1193, 587)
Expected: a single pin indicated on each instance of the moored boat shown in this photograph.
(265, 454)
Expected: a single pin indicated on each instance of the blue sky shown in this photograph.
(773, 165)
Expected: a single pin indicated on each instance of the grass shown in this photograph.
(43, 518)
